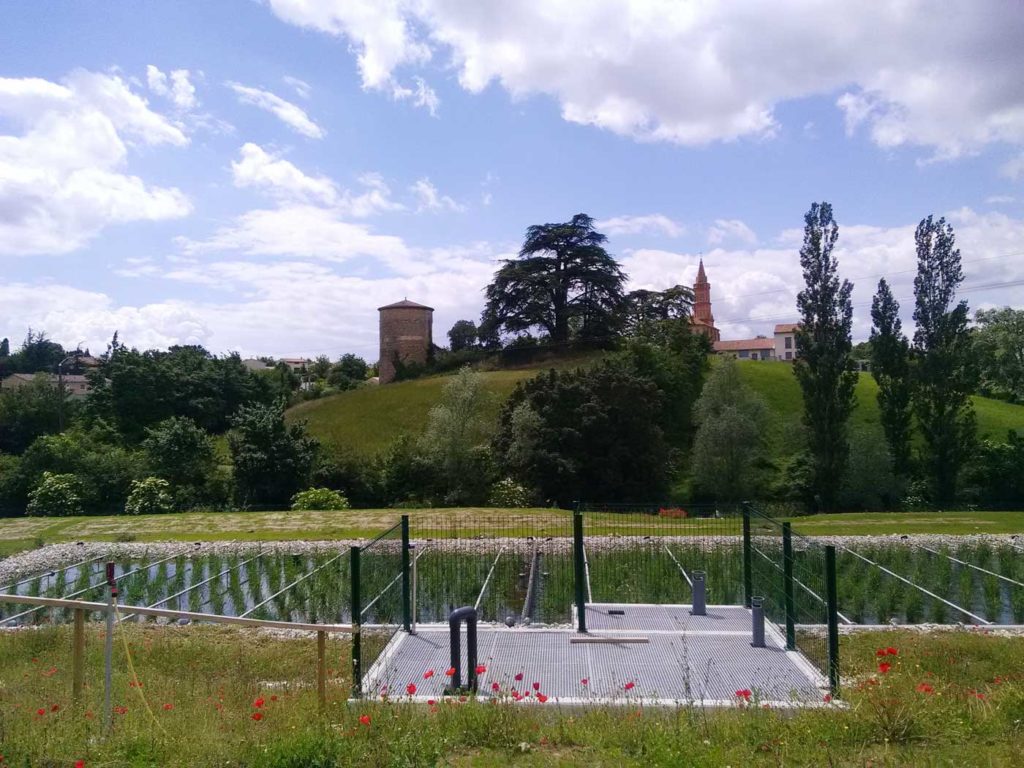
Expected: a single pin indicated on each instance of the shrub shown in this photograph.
(56, 495)
(150, 496)
(509, 493)
(319, 498)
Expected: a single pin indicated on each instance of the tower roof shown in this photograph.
(405, 304)
(701, 277)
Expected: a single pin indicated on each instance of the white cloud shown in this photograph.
(176, 86)
(301, 87)
(1013, 168)
(1000, 199)
(634, 225)
(422, 96)
(290, 114)
(693, 73)
(62, 177)
(259, 168)
(429, 199)
(731, 230)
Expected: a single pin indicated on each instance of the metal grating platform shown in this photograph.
(686, 660)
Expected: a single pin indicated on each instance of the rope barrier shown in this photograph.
(131, 669)
(289, 586)
(487, 580)
(680, 567)
(1007, 579)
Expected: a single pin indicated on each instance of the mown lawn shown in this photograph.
(217, 696)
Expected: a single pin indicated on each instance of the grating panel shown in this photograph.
(684, 661)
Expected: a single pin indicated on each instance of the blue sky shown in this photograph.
(260, 176)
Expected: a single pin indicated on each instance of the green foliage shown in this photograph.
(995, 475)
(106, 470)
(319, 498)
(57, 495)
(13, 488)
(149, 496)
(586, 434)
(462, 335)
(823, 367)
(454, 444)
(135, 390)
(508, 493)
(36, 354)
(944, 374)
(29, 411)
(182, 453)
(729, 445)
(870, 482)
(402, 474)
(348, 373)
(563, 282)
(999, 351)
(644, 313)
(272, 460)
(890, 366)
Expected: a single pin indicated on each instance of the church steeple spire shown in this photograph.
(703, 319)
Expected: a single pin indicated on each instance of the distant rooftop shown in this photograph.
(405, 304)
(786, 327)
(740, 344)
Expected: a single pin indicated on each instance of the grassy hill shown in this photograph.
(366, 420)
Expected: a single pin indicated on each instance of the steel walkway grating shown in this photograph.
(685, 660)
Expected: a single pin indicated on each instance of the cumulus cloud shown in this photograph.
(730, 230)
(430, 199)
(693, 73)
(290, 114)
(258, 168)
(176, 86)
(634, 225)
(301, 87)
(62, 173)
(420, 96)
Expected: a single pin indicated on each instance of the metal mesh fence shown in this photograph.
(648, 553)
(790, 574)
(518, 572)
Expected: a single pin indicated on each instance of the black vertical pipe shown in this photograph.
(832, 600)
(579, 570)
(748, 579)
(787, 575)
(406, 584)
(357, 609)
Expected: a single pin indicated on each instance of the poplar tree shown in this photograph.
(890, 365)
(824, 362)
(944, 374)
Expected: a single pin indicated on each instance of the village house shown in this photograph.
(75, 385)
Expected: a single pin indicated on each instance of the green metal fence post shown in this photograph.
(357, 609)
(580, 573)
(787, 575)
(406, 586)
(832, 600)
(748, 579)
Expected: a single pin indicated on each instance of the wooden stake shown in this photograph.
(321, 671)
(78, 655)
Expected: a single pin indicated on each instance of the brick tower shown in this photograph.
(406, 333)
(703, 320)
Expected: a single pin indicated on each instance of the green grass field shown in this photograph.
(211, 696)
(367, 420)
(21, 533)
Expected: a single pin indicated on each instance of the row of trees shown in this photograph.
(925, 384)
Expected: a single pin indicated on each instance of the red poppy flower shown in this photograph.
(880, 652)
(495, 687)
(884, 667)
(450, 672)
(428, 674)
(519, 677)
(273, 697)
(55, 708)
(629, 686)
(257, 716)
(585, 681)
(978, 695)
(411, 689)
(258, 703)
(536, 686)
(365, 720)
(431, 702)
(892, 651)
(480, 669)
(541, 698)
(168, 707)
(40, 711)
(828, 698)
(744, 694)
(121, 710)
(924, 688)
(79, 763)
